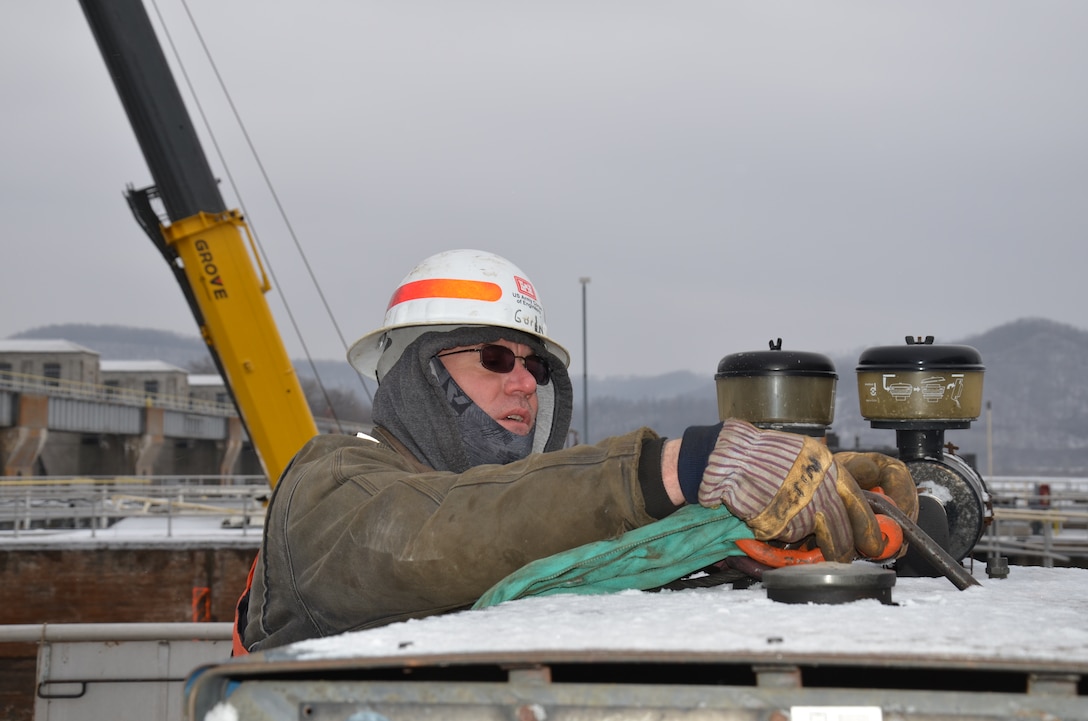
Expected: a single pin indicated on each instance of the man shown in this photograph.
(466, 478)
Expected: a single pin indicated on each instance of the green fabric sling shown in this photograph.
(661, 552)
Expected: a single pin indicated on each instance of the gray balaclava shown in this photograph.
(411, 401)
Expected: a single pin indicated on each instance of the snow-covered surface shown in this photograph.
(36, 345)
(1035, 614)
(213, 380)
(139, 366)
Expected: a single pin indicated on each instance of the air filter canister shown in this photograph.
(777, 388)
(920, 382)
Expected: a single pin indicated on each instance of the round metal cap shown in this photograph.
(920, 355)
(829, 583)
(775, 362)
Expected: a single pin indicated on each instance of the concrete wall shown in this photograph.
(87, 454)
(166, 382)
(208, 387)
(75, 366)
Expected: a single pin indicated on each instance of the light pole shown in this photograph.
(989, 441)
(585, 364)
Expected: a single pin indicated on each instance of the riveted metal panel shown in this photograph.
(191, 425)
(69, 414)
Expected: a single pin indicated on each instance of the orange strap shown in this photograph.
(776, 557)
(241, 614)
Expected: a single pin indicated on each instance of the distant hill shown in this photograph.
(119, 342)
(1034, 382)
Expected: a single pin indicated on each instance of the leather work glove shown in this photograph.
(876, 470)
(890, 475)
(786, 486)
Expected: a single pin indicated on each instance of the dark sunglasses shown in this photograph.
(500, 359)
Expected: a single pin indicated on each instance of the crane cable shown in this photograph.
(272, 190)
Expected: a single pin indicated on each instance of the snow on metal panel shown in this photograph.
(1035, 617)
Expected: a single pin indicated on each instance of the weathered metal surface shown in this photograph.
(141, 672)
(596, 685)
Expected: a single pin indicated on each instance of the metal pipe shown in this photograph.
(35, 632)
(939, 558)
(585, 365)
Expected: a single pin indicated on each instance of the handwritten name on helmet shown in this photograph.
(529, 313)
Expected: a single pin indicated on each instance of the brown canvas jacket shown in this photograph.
(358, 535)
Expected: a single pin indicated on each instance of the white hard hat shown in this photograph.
(453, 289)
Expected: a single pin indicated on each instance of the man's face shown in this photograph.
(509, 398)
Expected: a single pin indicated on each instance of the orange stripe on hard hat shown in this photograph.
(446, 288)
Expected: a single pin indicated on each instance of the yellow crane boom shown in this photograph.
(204, 243)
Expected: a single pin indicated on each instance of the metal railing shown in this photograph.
(1050, 527)
(1038, 518)
(40, 508)
(61, 388)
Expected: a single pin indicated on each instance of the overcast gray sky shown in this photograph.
(838, 174)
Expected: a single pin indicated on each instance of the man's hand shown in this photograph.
(787, 486)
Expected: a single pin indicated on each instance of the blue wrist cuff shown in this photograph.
(695, 451)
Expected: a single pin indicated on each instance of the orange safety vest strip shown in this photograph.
(240, 609)
(446, 288)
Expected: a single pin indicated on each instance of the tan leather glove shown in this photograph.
(876, 470)
(890, 475)
(786, 487)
